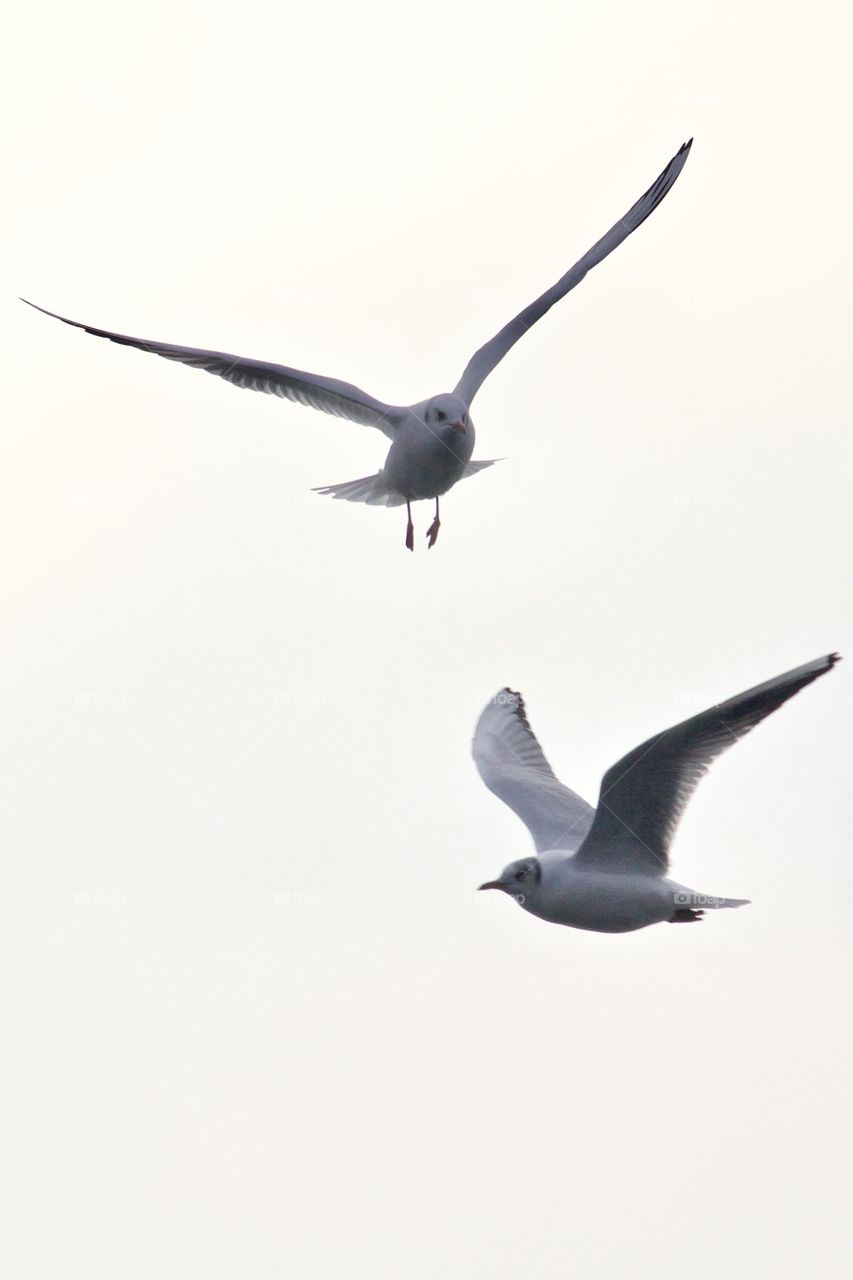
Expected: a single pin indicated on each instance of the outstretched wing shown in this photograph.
(644, 795)
(512, 765)
(483, 361)
(328, 394)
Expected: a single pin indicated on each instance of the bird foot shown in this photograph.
(410, 536)
(685, 915)
(432, 532)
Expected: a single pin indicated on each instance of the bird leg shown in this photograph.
(410, 529)
(432, 531)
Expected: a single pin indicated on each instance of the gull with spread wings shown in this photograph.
(432, 441)
(605, 869)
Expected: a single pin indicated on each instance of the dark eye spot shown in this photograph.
(440, 414)
(519, 875)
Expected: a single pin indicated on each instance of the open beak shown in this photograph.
(491, 884)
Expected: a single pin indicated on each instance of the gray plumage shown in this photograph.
(604, 869)
(431, 442)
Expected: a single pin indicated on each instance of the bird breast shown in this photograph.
(421, 463)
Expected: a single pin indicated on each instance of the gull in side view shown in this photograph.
(432, 441)
(605, 869)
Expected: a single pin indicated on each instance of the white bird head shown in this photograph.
(447, 415)
(518, 879)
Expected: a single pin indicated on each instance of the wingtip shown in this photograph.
(809, 671)
(519, 707)
(505, 695)
(35, 306)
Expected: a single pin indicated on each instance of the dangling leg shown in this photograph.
(410, 529)
(432, 531)
(685, 915)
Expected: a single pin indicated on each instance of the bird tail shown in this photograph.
(374, 491)
(692, 906)
(473, 467)
(369, 489)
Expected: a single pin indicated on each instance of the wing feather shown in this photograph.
(513, 767)
(340, 399)
(644, 795)
(484, 361)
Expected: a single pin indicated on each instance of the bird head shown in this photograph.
(518, 879)
(447, 416)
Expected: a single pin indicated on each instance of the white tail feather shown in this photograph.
(369, 489)
(372, 490)
(473, 467)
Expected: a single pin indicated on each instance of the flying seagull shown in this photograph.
(605, 869)
(432, 441)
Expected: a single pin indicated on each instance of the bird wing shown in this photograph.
(643, 796)
(328, 394)
(483, 361)
(513, 766)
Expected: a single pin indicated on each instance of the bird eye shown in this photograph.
(440, 414)
(519, 875)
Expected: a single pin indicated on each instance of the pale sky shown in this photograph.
(257, 1020)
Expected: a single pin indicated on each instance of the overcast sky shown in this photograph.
(257, 1021)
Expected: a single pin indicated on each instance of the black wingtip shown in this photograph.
(35, 306)
(507, 693)
(75, 324)
(520, 708)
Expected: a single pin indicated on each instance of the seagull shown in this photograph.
(605, 869)
(432, 441)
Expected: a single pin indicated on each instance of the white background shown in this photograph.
(257, 1022)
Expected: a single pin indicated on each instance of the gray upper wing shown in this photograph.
(512, 765)
(643, 796)
(328, 394)
(483, 361)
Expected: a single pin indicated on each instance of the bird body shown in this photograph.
(610, 901)
(427, 458)
(605, 869)
(431, 442)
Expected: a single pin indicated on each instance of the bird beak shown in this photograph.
(459, 426)
(490, 884)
